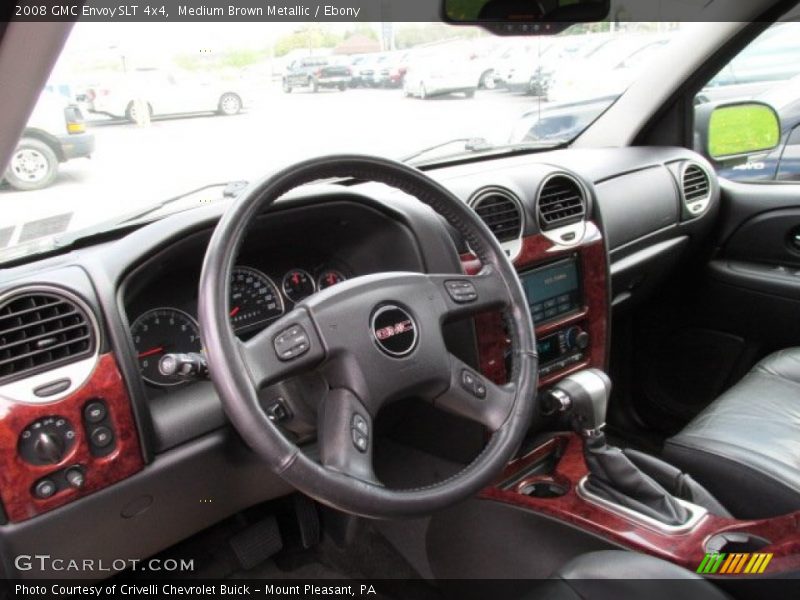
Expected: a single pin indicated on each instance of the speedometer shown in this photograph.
(161, 331)
(254, 300)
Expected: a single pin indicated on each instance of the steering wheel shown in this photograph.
(375, 339)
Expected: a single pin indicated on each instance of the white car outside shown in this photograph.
(164, 93)
(55, 133)
(608, 71)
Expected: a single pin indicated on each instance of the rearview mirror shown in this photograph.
(730, 131)
(515, 17)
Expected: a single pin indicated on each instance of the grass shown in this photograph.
(742, 129)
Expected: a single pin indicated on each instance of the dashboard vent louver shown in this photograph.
(40, 330)
(501, 212)
(561, 202)
(696, 185)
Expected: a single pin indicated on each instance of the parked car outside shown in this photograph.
(391, 69)
(525, 71)
(356, 62)
(164, 93)
(363, 74)
(520, 60)
(773, 56)
(436, 74)
(55, 133)
(317, 73)
(609, 71)
(575, 48)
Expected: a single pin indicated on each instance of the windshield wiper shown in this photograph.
(471, 144)
(478, 145)
(109, 227)
(232, 189)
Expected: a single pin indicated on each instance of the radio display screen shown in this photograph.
(552, 290)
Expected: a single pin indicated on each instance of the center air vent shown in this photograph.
(501, 212)
(561, 202)
(41, 330)
(696, 189)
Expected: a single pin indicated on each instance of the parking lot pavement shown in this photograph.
(137, 166)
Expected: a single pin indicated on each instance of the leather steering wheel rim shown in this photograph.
(236, 368)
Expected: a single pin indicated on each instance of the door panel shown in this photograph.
(724, 311)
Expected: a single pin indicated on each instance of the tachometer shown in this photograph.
(329, 277)
(298, 284)
(161, 331)
(254, 299)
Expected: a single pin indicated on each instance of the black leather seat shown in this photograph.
(745, 446)
(615, 574)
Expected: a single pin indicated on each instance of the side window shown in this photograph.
(789, 165)
(766, 72)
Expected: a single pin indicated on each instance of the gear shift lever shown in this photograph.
(612, 475)
(585, 395)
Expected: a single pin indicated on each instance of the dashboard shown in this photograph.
(90, 430)
(255, 300)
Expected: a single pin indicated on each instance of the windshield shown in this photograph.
(135, 114)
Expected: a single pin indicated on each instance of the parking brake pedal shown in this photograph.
(307, 520)
(257, 543)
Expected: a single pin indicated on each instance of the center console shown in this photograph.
(566, 287)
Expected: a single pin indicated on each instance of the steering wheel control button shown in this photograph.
(291, 342)
(394, 330)
(360, 424)
(44, 488)
(360, 441)
(101, 437)
(277, 411)
(473, 384)
(461, 291)
(360, 432)
(95, 412)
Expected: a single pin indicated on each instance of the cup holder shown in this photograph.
(543, 489)
(733, 542)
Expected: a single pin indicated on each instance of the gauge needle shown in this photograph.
(235, 311)
(151, 352)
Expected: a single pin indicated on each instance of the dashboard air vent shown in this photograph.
(561, 202)
(501, 212)
(41, 330)
(696, 189)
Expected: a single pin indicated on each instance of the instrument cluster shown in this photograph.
(255, 300)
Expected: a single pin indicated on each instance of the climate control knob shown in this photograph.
(577, 338)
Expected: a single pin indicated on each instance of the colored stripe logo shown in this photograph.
(744, 563)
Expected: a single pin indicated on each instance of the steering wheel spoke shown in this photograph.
(374, 339)
(474, 397)
(289, 346)
(467, 295)
(345, 436)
